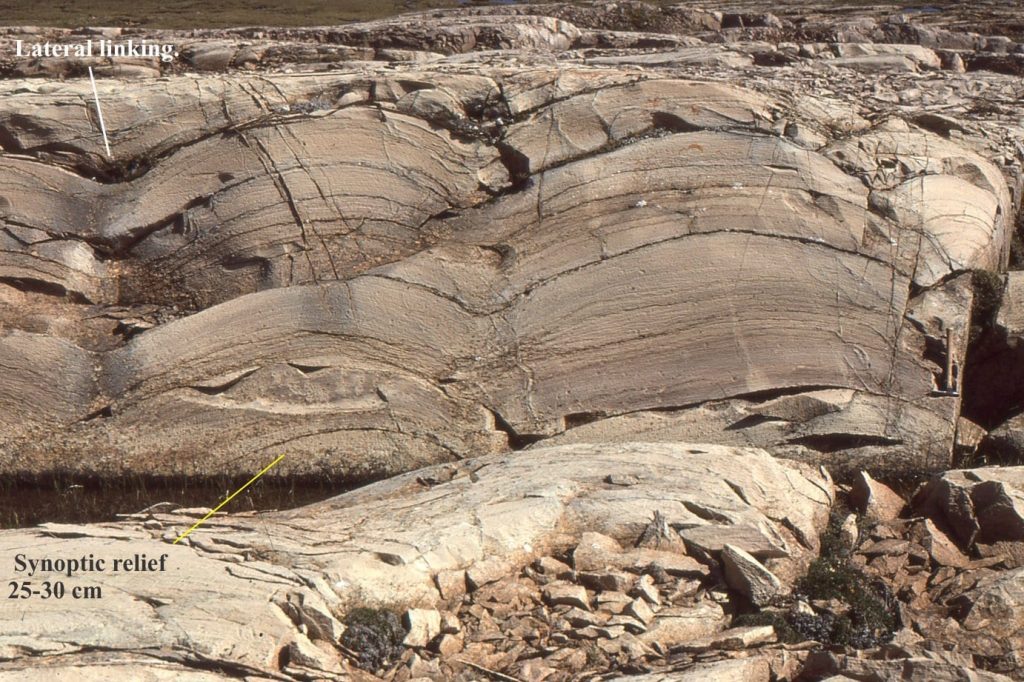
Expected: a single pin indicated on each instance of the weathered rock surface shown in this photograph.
(1006, 442)
(953, 577)
(991, 624)
(748, 576)
(980, 505)
(738, 670)
(286, 579)
(940, 606)
(563, 237)
(874, 499)
(916, 664)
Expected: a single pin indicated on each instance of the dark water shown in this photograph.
(30, 501)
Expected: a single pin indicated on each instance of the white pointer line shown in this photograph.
(99, 113)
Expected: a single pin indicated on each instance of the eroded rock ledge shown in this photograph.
(689, 561)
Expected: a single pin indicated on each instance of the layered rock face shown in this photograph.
(392, 265)
(606, 293)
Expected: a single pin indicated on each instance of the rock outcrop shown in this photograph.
(400, 263)
(606, 293)
(280, 584)
(1006, 442)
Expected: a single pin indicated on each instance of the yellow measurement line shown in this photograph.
(229, 498)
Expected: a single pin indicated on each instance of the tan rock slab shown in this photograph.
(647, 590)
(749, 577)
(875, 500)
(734, 639)
(941, 547)
(754, 669)
(593, 552)
(422, 626)
(567, 594)
(680, 624)
(607, 581)
(449, 645)
(639, 610)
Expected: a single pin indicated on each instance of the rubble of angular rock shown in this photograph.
(952, 562)
(552, 564)
(386, 245)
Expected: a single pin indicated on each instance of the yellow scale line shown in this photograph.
(229, 498)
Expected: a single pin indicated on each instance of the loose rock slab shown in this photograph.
(980, 505)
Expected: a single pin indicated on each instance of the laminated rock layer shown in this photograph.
(339, 266)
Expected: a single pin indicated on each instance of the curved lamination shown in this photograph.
(377, 272)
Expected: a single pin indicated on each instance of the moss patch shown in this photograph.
(777, 619)
(375, 635)
(868, 622)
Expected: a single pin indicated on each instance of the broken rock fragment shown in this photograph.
(1005, 443)
(980, 505)
(422, 625)
(749, 577)
(874, 499)
(567, 594)
(681, 624)
(940, 547)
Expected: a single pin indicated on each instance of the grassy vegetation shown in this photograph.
(866, 623)
(201, 13)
